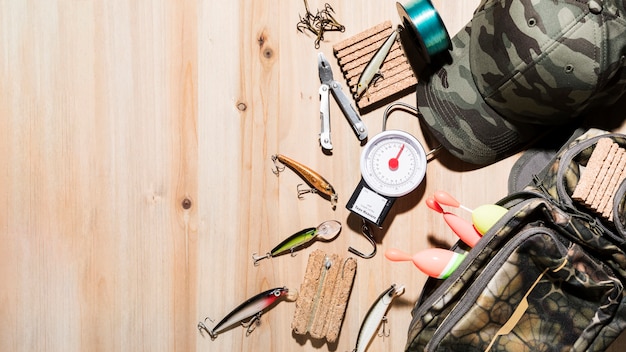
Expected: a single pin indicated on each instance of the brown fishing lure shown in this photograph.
(312, 178)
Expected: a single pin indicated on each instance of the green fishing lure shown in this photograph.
(326, 231)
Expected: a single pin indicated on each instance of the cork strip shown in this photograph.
(323, 296)
(607, 212)
(592, 169)
(605, 170)
(354, 53)
(600, 178)
(355, 40)
(340, 299)
(307, 293)
(610, 180)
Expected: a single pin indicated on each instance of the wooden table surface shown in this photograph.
(135, 144)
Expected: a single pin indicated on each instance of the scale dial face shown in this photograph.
(393, 163)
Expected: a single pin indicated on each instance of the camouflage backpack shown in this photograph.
(548, 276)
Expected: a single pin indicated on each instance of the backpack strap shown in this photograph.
(559, 182)
(619, 209)
(534, 161)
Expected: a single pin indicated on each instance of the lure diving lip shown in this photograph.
(251, 309)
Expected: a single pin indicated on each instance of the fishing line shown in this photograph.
(426, 25)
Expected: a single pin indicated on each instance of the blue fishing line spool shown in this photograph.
(426, 24)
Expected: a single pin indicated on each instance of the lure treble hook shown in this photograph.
(365, 230)
(277, 167)
(256, 258)
(253, 323)
(203, 328)
(302, 191)
(384, 330)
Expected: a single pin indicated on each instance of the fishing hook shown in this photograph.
(384, 332)
(256, 258)
(277, 167)
(365, 230)
(415, 112)
(302, 192)
(202, 326)
(377, 77)
(253, 323)
(319, 23)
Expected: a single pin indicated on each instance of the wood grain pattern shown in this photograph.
(135, 141)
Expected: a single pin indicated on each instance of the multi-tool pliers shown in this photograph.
(329, 84)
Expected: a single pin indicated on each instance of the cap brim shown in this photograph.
(461, 120)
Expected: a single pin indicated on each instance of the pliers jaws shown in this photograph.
(329, 84)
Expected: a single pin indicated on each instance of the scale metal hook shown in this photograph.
(415, 111)
(365, 230)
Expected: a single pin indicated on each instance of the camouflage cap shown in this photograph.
(520, 66)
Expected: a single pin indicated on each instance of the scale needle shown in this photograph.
(393, 162)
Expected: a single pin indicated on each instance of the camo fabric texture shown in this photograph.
(559, 183)
(546, 277)
(522, 65)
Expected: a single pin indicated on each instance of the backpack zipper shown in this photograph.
(478, 286)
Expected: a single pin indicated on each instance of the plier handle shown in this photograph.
(334, 87)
